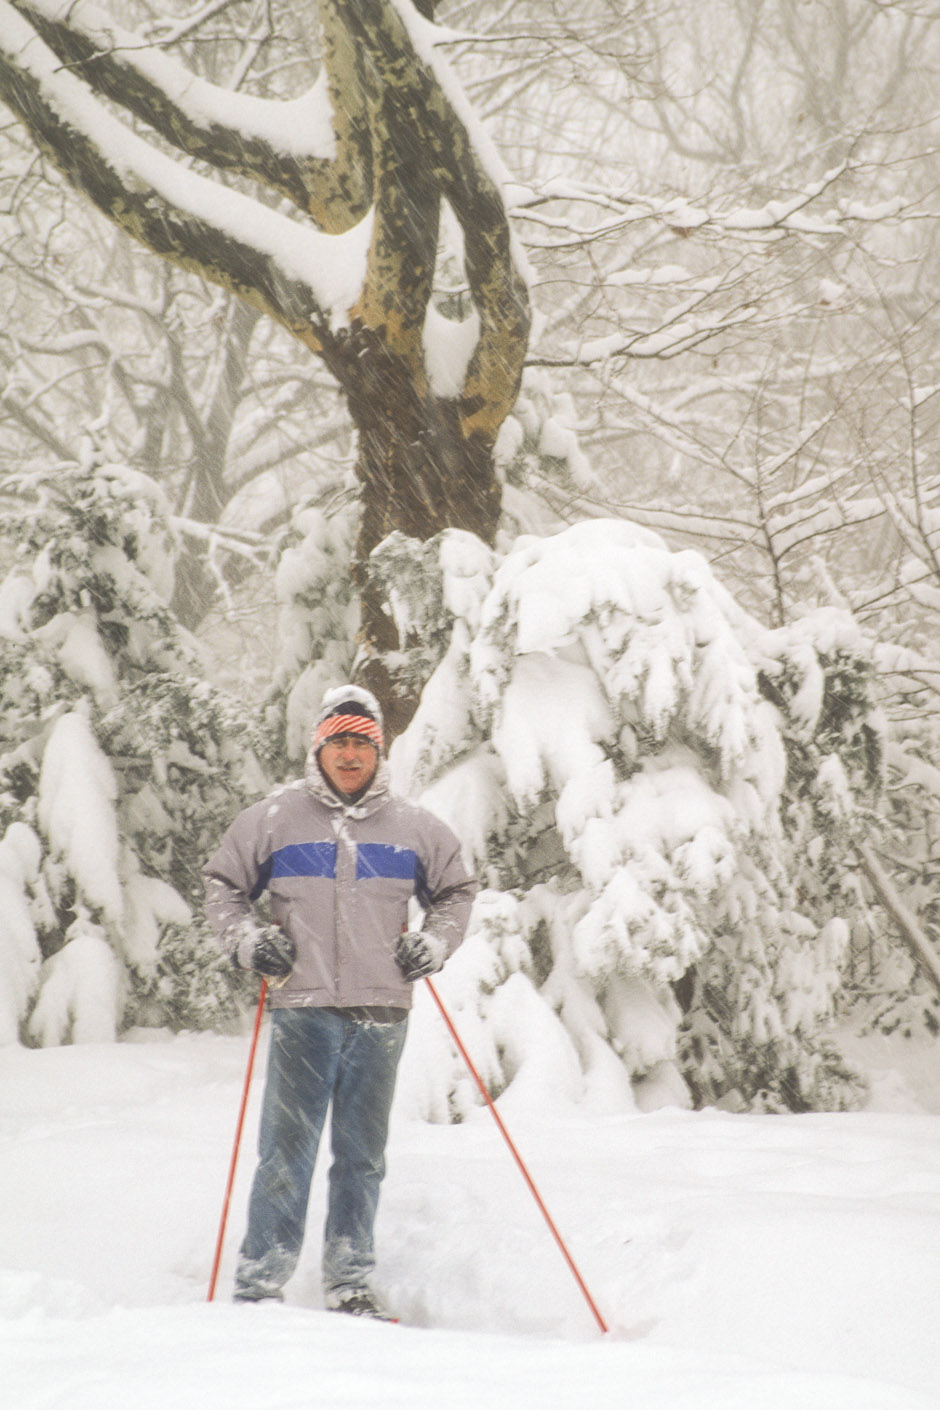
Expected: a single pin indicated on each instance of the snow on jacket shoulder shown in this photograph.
(340, 878)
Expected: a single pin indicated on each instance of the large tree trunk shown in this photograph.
(419, 475)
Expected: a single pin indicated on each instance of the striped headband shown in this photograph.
(348, 724)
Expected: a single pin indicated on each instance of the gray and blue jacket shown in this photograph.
(340, 877)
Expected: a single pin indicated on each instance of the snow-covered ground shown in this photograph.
(743, 1262)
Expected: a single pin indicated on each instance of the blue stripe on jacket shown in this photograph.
(379, 859)
(305, 859)
(374, 861)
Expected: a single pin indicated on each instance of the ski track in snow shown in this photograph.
(741, 1261)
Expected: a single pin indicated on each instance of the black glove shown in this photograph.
(268, 951)
(418, 955)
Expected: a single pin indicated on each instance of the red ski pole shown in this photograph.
(262, 995)
(481, 1085)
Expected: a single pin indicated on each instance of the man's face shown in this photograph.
(349, 762)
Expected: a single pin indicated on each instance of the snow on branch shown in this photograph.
(775, 218)
(296, 274)
(282, 144)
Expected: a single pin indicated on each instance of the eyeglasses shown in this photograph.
(348, 741)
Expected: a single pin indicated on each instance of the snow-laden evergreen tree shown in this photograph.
(595, 728)
(318, 621)
(119, 766)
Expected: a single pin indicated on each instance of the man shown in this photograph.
(341, 859)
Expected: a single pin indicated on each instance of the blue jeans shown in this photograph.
(318, 1057)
